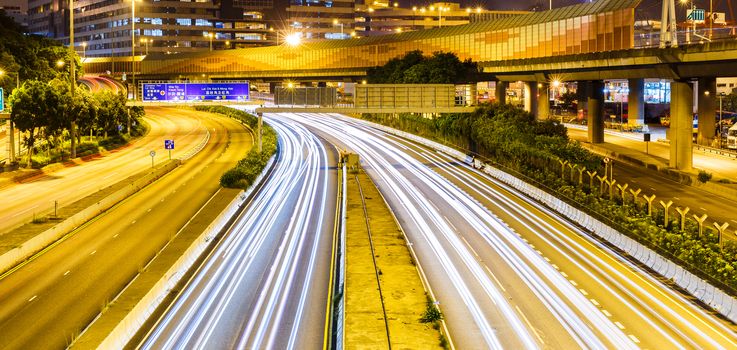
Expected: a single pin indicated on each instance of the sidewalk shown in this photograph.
(717, 198)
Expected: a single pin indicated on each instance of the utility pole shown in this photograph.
(668, 29)
(72, 76)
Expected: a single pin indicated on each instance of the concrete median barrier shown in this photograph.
(127, 327)
(24, 251)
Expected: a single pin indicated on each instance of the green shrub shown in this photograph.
(704, 177)
(247, 169)
(432, 314)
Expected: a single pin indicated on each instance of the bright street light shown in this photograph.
(84, 49)
(211, 36)
(60, 63)
(335, 23)
(293, 39)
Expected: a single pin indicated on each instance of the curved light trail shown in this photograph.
(265, 284)
(510, 273)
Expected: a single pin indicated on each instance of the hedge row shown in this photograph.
(248, 168)
(512, 140)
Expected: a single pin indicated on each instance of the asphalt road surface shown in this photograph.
(509, 274)
(718, 208)
(49, 300)
(67, 185)
(265, 285)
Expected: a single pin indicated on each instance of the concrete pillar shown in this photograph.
(500, 91)
(595, 116)
(530, 102)
(681, 125)
(543, 101)
(472, 98)
(707, 104)
(636, 101)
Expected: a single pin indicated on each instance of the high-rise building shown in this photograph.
(322, 19)
(16, 9)
(379, 18)
(103, 27)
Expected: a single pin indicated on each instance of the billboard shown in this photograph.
(196, 92)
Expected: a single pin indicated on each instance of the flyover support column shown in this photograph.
(681, 125)
(531, 97)
(707, 96)
(595, 115)
(473, 94)
(543, 102)
(500, 91)
(636, 102)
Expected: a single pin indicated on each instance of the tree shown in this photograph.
(111, 111)
(31, 111)
(414, 68)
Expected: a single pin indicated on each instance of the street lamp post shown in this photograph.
(72, 76)
(336, 22)
(133, 46)
(11, 132)
(721, 96)
(145, 42)
(84, 49)
(211, 36)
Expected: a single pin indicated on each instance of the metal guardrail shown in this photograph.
(719, 151)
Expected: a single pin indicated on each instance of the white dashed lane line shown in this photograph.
(66, 273)
(32, 298)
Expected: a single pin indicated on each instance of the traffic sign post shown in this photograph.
(169, 145)
(2, 100)
(152, 154)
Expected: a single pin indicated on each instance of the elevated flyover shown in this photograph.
(587, 43)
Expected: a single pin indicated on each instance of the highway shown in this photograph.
(507, 272)
(67, 185)
(718, 208)
(48, 301)
(265, 285)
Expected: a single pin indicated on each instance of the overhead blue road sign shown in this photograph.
(168, 144)
(196, 92)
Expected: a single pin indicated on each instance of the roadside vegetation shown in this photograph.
(541, 153)
(52, 120)
(248, 168)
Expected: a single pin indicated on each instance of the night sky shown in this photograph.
(647, 8)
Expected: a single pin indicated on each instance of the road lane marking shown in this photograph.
(93, 252)
(66, 273)
(162, 199)
(652, 188)
(33, 298)
(619, 325)
(583, 291)
(573, 282)
(593, 301)
(109, 176)
(676, 198)
(634, 339)
(451, 224)
(115, 235)
(133, 222)
(564, 274)
(469, 246)
(495, 279)
(555, 266)
(546, 258)
(21, 212)
(703, 209)
(149, 210)
(530, 325)
(606, 313)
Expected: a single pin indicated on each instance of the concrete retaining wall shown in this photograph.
(134, 320)
(702, 290)
(16, 255)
